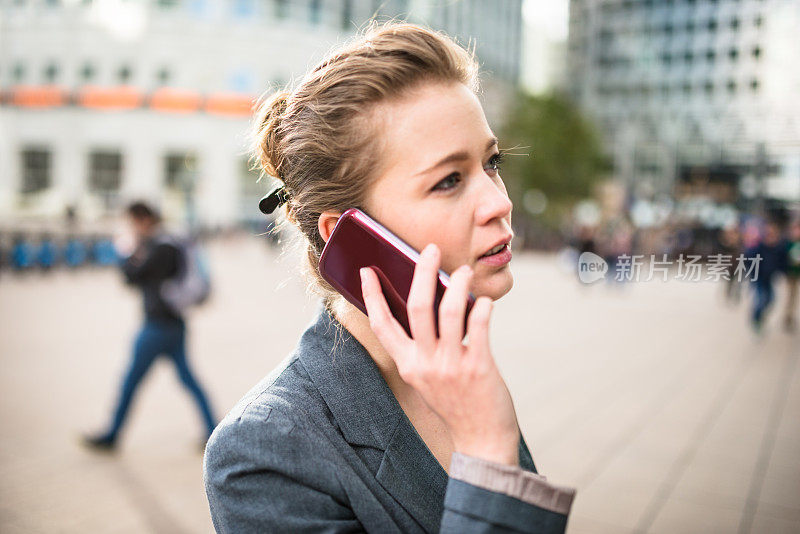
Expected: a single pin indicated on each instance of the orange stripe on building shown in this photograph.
(175, 100)
(122, 97)
(37, 97)
(231, 104)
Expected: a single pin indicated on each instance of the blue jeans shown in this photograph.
(763, 298)
(155, 339)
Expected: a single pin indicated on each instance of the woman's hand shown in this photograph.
(461, 383)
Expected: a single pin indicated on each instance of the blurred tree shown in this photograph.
(555, 159)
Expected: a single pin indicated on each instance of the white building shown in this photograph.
(108, 100)
(693, 91)
(544, 47)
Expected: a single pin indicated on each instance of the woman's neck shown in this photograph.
(358, 325)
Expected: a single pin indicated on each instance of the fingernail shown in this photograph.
(430, 251)
(362, 272)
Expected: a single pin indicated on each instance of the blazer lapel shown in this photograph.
(369, 415)
(411, 473)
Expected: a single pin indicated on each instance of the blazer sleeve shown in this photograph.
(484, 496)
(262, 475)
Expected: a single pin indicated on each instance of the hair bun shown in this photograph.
(268, 150)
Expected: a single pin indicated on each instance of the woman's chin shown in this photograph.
(496, 285)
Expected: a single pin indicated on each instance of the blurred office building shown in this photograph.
(102, 101)
(695, 98)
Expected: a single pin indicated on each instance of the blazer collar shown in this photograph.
(369, 415)
(351, 384)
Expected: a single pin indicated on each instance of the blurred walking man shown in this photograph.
(792, 276)
(153, 260)
(773, 252)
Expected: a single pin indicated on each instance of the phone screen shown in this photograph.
(360, 241)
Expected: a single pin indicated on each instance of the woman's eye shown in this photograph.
(495, 162)
(450, 182)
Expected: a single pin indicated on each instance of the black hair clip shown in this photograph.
(273, 200)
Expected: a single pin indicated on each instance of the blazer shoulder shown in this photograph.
(282, 396)
(270, 429)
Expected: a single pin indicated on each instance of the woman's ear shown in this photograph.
(327, 221)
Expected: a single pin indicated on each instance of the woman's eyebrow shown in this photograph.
(456, 156)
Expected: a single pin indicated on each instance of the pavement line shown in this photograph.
(768, 442)
(655, 406)
(680, 464)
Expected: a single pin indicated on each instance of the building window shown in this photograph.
(711, 56)
(51, 73)
(124, 74)
(757, 52)
(734, 24)
(163, 76)
(754, 85)
(87, 72)
(35, 170)
(758, 21)
(709, 88)
(731, 86)
(733, 53)
(688, 57)
(281, 9)
(315, 12)
(690, 27)
(347, 14)
(180, 170)
(712, 25)
(243, 9)
(105, 176)
(18, 72)
(167, 4)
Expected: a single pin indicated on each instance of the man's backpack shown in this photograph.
(191, 285)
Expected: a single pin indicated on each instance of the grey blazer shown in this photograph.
(322, 445)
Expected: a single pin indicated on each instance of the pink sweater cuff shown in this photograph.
(513, 481)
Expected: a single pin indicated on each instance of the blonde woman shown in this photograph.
(362, 427)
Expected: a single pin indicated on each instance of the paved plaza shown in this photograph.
(654, 399)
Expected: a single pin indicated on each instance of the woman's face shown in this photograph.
(440, 183)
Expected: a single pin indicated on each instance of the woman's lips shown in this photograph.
(501, 258)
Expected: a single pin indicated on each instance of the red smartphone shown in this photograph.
(359, 241)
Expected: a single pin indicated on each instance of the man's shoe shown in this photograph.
(99, 443)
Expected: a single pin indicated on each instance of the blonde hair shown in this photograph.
(322, 140)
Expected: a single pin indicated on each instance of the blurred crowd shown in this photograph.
(770, 244)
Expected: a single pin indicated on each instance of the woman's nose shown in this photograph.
(492, 200)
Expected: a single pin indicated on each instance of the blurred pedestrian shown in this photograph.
(585, 240)
(153, 260)
(792, 275)
(730, 244)
(772, 251)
